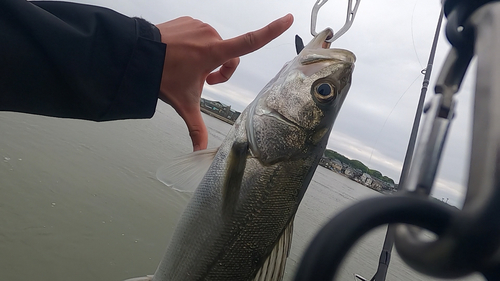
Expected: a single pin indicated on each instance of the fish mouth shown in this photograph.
(315, 51)
(276, 115)
(313, 60)
(321, 55)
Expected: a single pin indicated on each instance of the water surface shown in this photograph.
(79, 200)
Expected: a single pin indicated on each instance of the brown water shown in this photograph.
(80, 201)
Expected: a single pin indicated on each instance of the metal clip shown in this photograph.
(351, 13)
(439, 115)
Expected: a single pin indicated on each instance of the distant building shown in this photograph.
(336, 165)
(376, 186)
(331, 164)
(233, 115)
(219, 109)
(379, 185)
(326, 162)
(214, 106)
(352, 173)
(357, 175)
(366, 179)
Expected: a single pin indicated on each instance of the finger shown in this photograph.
(224, 73)
(197, 129)
(254, 40)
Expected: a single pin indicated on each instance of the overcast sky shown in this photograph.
(391, 39)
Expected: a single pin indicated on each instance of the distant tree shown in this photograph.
(335, 155)
(375, 173)
(359, 165)
(387, 179)
(330, 153)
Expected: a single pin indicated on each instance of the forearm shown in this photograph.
(77, 61)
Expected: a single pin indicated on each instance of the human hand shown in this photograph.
(194, 50)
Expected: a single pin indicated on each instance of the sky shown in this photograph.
(392, 41)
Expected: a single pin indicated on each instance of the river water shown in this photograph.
(79, 200)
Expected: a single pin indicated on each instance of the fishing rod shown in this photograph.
(385, 255)
(467, 240)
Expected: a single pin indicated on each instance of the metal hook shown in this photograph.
(351, 13)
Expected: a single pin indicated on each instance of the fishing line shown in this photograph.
(412, 37)
(387, 118)
(418, 59)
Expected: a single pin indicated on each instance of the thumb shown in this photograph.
(197, 129)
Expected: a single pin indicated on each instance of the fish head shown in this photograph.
(296, 110)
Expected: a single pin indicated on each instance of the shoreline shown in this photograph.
(231, 122)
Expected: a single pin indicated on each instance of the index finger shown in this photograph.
(252, 41)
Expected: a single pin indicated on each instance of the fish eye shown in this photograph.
(325, 92)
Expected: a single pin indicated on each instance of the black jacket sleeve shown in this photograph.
(77, 61)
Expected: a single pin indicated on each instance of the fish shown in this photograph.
(239, 223)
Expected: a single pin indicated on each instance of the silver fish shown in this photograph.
(238, 224)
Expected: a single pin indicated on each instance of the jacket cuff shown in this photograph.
(139, 89)
(147, 30)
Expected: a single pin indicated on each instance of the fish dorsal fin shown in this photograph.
(273, 268)
(184, 173)
(236, 163)
(299, 44)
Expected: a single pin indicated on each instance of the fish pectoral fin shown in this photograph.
(184, 173)
(236, 163)
(146, 278)
(273, 268)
